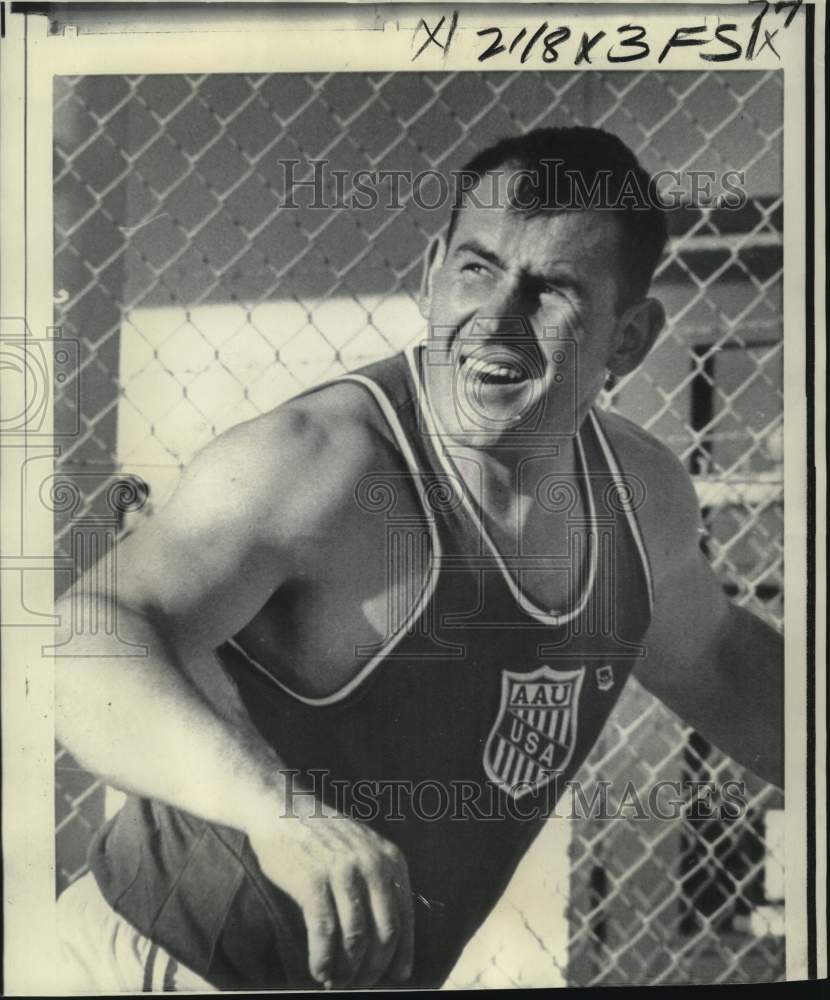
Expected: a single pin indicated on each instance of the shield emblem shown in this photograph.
(534, 735)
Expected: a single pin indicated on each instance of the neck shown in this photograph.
(510, 477)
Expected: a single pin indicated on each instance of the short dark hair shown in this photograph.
(603, 165)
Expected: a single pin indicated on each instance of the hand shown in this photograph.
(353, 888)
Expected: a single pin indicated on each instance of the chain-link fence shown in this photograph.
(198, 302)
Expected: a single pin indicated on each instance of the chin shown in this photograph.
(497, 427)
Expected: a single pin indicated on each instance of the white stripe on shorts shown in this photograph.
(101, 953)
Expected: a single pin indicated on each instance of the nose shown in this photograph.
(508, 313)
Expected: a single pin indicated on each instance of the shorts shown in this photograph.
(100, 952)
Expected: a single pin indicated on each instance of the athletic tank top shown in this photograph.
(454, 739)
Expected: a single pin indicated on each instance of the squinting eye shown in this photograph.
(475, 268)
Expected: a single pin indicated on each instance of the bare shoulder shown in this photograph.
(292, 469)
(668, 512)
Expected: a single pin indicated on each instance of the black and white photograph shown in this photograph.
(410, 494)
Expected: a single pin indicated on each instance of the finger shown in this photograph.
(354, 921)
(323, 929)
(386, 919)
(400, 967)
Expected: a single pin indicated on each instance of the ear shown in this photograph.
(637, 329)
(433, 259)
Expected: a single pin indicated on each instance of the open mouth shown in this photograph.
(494, 372)
(498, 365)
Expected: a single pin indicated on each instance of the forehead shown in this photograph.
(589, 238)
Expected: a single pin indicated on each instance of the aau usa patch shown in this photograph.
(534, 735)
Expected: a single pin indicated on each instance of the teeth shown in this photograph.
(483, 368)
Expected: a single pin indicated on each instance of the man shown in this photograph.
(433, 575)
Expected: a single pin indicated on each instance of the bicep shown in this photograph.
(204, 565)
(719, 668)
(691, 613)
(712, 663)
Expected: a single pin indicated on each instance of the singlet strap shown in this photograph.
(627, 499)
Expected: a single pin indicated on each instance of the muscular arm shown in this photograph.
(170, 725)
(189, 578)
(719, 667)
(716, 665)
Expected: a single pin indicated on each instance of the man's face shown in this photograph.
(522, 314)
